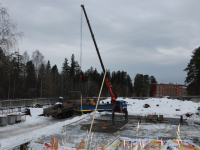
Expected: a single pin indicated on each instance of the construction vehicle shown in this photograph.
(59, 110)
(64, 108)
(117, 106)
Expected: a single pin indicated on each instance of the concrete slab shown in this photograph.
(121, 118)
(99, 127)
(167, 130)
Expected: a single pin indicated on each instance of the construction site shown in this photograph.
(106, 123)
(161, 123)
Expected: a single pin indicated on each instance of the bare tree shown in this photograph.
(9, 35)
(38, 59)
(25, 59)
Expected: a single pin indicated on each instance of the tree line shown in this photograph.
(22, 77)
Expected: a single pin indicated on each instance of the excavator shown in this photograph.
(118, 106)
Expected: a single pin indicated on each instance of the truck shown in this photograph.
(64, 108)
(59, 110)
(120, 106)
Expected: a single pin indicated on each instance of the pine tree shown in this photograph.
(138, 84)
(55, 80)
(146, 85)
(3, 74)
(74, 69)
(41, 79)
(48, 68)
(153, 80)
(30, 79)
(65, 77)
(65, 68)
(193, 73)
(48, 81)
(130, 86)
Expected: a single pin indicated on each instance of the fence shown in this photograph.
(44, 101)
(27, 102)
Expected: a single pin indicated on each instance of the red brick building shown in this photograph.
(158, 90)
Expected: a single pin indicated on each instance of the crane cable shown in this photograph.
(81, 40)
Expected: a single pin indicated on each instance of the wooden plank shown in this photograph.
(74, 122)
(112, 141)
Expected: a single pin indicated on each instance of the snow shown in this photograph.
(2, 115)
(43, 130)
(167, 107)
(13, 135)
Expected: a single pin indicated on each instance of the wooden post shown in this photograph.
(181, 118)
(95, 110)
(81, 103)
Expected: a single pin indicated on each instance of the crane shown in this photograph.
(109, 85)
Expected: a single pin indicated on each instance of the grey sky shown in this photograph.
(148, 37)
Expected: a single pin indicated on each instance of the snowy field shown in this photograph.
(37, 127)
(167, 107)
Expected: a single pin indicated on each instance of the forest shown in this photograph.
(22, 77)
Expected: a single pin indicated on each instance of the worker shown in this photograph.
(113, 117)
(60, 105)
(126, 114)
(60, 98)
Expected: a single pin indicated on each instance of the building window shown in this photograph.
(157, 91)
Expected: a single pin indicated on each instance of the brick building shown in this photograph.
(158, 90)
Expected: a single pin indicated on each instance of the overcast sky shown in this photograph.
(148, 37)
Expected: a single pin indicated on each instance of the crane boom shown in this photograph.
(107, 81)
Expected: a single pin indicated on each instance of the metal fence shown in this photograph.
(27, 102)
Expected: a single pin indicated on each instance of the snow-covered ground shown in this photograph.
(166, 107)
(34, 127)
(38, 126)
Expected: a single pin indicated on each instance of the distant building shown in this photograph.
(158, 90)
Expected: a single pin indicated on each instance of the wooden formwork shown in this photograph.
(150, 118)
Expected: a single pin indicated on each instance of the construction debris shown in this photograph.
(146, 105)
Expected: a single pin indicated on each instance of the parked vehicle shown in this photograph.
(59, 110)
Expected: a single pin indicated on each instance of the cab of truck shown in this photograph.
(120, 106)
